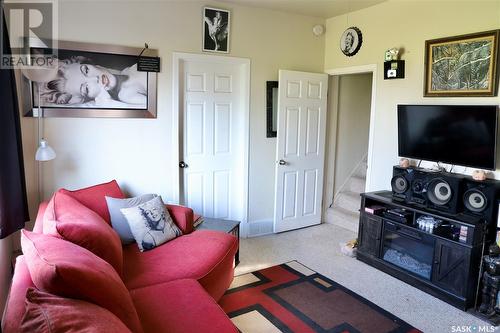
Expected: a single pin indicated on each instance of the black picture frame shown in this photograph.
(271, 108)
(216, 30)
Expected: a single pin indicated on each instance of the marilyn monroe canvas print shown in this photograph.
(95, 80)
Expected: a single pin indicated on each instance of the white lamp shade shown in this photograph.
(44, 152)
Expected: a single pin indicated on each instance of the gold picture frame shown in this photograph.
(462, 66)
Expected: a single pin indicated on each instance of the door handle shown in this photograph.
(282, 162)
(182, 165)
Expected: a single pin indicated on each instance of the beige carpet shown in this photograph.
(318, 248)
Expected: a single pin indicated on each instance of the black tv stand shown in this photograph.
(440, 262)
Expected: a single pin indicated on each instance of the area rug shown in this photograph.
(293, 298)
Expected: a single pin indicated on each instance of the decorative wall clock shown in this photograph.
(351, 41)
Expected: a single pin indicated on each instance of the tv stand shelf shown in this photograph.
(444, 263)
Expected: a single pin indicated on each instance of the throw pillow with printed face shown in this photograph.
(151, 224)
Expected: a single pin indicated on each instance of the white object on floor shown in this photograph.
(348, 250)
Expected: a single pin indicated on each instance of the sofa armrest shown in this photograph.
(183, 217)
(15, 304)
(38, 227)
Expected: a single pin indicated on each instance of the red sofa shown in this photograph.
(173, 288)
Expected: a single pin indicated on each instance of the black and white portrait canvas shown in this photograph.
(216, 25)
(95, 80)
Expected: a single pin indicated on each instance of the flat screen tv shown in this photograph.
(455, 134)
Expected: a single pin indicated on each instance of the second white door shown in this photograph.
(302, 100)
(213, 141)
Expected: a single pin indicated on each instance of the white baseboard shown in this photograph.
(257, 228)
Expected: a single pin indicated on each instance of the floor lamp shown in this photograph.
(40, 75)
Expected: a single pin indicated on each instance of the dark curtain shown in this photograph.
(13, 202)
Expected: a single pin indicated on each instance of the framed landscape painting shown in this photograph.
(94, 81)
(462, 65)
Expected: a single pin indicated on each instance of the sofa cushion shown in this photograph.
(47, 313)
(94, 197)
(65, 269)
(204, 255)
(151, 224)
(15, 305)
(118, 221)
(72, 221)
(189, 309)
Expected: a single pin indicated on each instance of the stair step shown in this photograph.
(343, 218)
(349, 201)
(357, 184)
(361, 170)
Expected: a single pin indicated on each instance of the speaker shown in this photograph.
(418, 188)
(408, 185)
(480, 198)
(475, 201)
(436, 190)
(443, 192)
(400, 183)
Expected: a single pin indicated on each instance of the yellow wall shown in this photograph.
(404, 24)
(137, 152)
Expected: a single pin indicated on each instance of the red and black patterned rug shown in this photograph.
(293, 298)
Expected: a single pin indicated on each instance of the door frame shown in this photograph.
(177, 58)
(371, 68)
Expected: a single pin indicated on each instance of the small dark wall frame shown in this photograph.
(394, 69)
(272, 108)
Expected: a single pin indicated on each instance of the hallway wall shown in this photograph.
(353, 124)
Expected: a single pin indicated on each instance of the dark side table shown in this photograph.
(228, 226)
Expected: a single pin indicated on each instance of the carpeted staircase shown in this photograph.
(345, 209)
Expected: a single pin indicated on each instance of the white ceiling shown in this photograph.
(318, 8)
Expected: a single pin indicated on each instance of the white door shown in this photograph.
(302, 101)
(212, 153)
